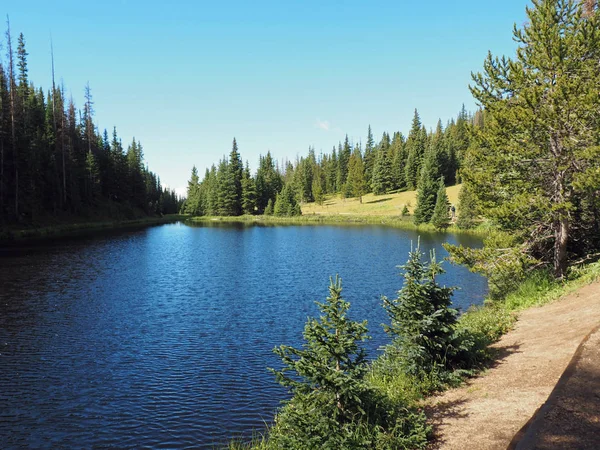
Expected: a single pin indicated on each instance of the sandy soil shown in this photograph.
(491, 409)
(571, 416)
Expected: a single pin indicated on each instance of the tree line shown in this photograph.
(55, 163)
(420, 161)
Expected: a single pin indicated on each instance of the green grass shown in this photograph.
(372, 205)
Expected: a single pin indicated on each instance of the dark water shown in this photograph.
(161, 337)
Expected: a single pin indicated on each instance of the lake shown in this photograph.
(161, 337)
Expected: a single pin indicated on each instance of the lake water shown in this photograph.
(161, 337)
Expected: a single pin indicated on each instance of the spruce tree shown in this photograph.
(415, 148)
(248, 192)
(422, 322)
(467, 208)
(369, 159)
(269, 209)
(441, 217)
(326, 374)
(237, 168)
(356, 184)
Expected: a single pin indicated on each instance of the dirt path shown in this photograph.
(490, 410)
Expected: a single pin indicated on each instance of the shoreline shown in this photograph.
(14, 236)
(405, 223)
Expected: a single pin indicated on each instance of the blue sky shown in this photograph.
(185, 77)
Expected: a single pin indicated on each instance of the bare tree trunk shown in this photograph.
(561, 235)
(11, 82)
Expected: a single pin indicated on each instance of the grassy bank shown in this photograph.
(15, 235)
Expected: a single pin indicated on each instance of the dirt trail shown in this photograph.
(489, 410)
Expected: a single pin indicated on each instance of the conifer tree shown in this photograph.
(441, 217)
(398, 157)
(538, 150)
(237, 168)
(268, 182)
(369, 159)
(269, 209)
(467, 208)
(248, 192)
(421, 319)
(327, 373)
(415, 148)
(192, 204)
(356, 175)
(382, 170)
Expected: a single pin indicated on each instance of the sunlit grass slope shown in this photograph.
(373, 205)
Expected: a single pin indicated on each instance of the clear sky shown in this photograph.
(185, 77)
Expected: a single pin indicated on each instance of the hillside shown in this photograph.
(373, 205)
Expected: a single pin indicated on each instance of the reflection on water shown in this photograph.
(162, 336)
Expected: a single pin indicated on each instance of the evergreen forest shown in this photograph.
(55, 164)
(395, 163)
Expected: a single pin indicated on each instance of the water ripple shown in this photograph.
(160, 338)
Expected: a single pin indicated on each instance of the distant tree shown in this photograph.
(268, 182)
(441, 217)
(317, 190)
(285, 203)
(467, 208)
(382, 170)
(192, 204)
(248, 192)
(236, 168)
(369, 158)
(415, 148)
(269, 209)
(357, 185)
(398, 157)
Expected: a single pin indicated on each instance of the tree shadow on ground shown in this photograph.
(438, 413)
(499, 354)
(381, 200)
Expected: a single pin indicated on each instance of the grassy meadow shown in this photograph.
(373, 205)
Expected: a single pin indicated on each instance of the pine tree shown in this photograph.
(327, 376)
(369, 159)
(227, 198)
(467, 209)
(538, 150)
(428, 182)
(193, 202)
(382, 170)
(441, 217)
(421, 320)
(415, 148)
(285, 203)
(356, 175)
(398, 157)
(248, 192)
(268, 182)
(269, 209)
(237, 168)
